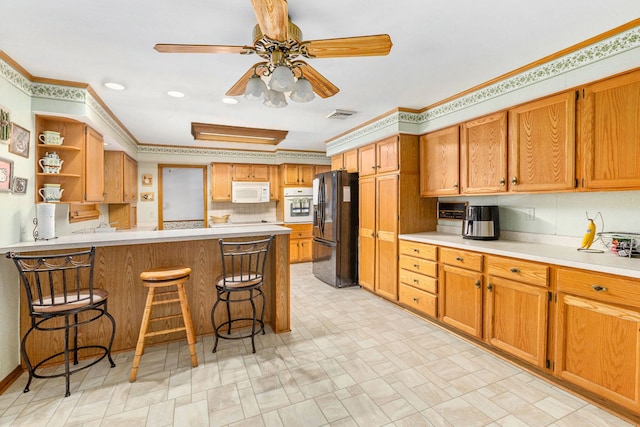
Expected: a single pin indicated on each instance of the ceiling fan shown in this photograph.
(278, 41)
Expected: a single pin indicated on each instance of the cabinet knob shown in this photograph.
(416, 281)
(455, 185)
(514, 270)
(416, 299)
(459, 259)
(514, 180)
(416, 265)
(599, 288)
(489, 287)
(502, 182)
(373, 167)
(416, 250)
(478, 284)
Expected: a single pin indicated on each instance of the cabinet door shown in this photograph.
(274, 182)
(350, 161)
(221, 174)
(367, 160)
(542, 145)
(260, 173)
(336, 162)
(94, 166)
(305, 250)
(440, 162)
(113, 183)
(306, 173)
(387, 155)
(294, 251)
(241, 172)
(130, 180)
(610, 133)
(598, 348)
(460, 299)
(290, 175)
(366, 258)
(517, 319)
(483, 155)
(320, 169)
(387, 237)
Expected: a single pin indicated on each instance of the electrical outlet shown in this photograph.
(530, 214)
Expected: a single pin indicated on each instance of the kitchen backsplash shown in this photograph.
(244, 212)
(560, 214)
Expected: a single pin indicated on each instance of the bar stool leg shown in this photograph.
(186, 315)
(143, 330)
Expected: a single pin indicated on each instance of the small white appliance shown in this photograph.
(249, 192)
(298, 205)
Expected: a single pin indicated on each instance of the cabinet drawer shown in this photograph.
(300, 231)
(522, 271)
(419, 300)
(602, 287)
(430, 268)
(426, 283)
(419, 250)
(459, 258)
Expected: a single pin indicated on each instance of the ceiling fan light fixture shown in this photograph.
(302, 91)
(256, 89)
(282, 79)
(275, 99)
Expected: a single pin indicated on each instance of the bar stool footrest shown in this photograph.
(238, 337)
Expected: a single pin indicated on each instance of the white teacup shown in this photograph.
(50, 137)
(50, 162)
(51, 192)
(51, 169)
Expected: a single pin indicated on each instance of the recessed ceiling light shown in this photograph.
(175, 94)
(114, 86)
(231, 101)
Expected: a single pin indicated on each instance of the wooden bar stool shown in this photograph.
(165, 277)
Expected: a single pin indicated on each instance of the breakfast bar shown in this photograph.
(122, 256)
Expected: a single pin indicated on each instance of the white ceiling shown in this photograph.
(440, 48)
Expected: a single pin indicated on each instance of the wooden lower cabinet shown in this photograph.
(460, 299)
(418, 283)
(598, 335)
(300, 243)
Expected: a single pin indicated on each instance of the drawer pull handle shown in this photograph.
(416, 265)
(599, 288)
(459, 258)
(416, 299)
(515, 270)
(416, 250)
(478, 284)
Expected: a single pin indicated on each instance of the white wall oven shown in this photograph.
(298, 205)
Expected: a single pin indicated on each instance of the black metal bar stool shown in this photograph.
(172, 279)
(58, 287)
(243, 266)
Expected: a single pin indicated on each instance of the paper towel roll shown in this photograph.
(46, 214)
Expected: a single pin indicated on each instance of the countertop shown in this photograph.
(144, 237)
(550, 254)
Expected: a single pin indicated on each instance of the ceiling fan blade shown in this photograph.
(321, 86)
(201, 48)
(273, 18)
(378, 45)
(241, 85)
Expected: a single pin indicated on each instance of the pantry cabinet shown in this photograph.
(440, 163)
(297, 175)
(542, 145)
(516, 309)
(221, 178)
(598, 334)
(483, 155)
(81, 176)
(610, 133)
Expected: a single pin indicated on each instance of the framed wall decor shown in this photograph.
(147, 180)
(19, 185)
(19, 143)
(5, 125)
(6, 175)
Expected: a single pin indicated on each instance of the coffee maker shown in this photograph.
(481, 223)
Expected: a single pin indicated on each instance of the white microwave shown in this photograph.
(249, 192)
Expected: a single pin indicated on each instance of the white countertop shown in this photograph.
(144, 237)
(550, 254)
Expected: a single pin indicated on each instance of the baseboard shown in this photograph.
(10, 379)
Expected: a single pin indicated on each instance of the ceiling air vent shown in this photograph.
(340, 114)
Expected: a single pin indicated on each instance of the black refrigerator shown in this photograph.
(335, 228)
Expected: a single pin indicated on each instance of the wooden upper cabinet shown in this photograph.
(321, 169)
(94, 166)
(249, 172)
(440, 162)
(345, 161)
(387, 155)
(367, 160)
(274, 182)
(221, 177)
(483, 155)
(542, 145)
(336, 162)
(121, 178)
(610, 133)
(298, 175)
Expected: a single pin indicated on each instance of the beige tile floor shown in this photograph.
(351, 360)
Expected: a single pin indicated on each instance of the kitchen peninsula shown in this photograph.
(122, 256)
